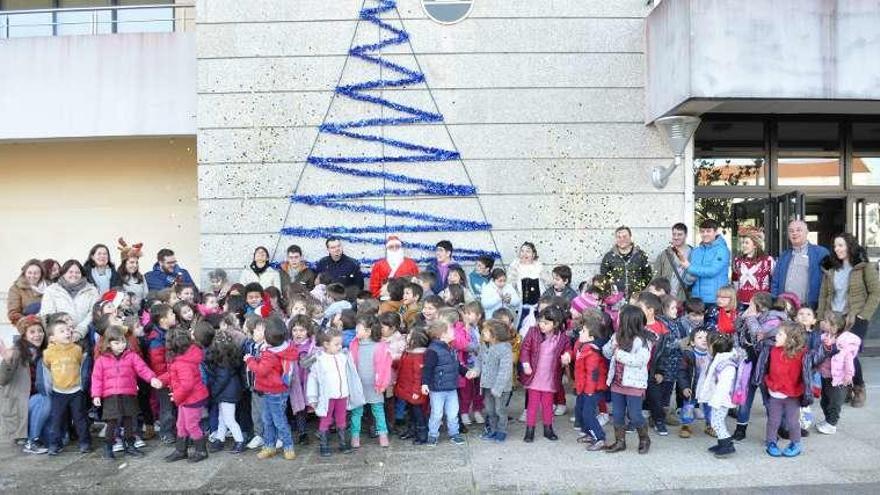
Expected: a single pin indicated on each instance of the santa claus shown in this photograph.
(395, 265)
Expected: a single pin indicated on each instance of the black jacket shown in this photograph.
(224, 384)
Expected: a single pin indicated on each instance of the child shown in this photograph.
(431, 307)
(64, 360)
(723, 315)
(543, 355)
(630, 353)
(458, 278)
(189, 392)
(115, 389)
(717, 388)
(162, 319)
(271, 383)
(561, 284)
(481, 275)
(426, 280)
(346, 322)
(664, 361)
(252, 345)
(223, 367)
(837, 369)
(390, 323)
(692, 371)
(411, 308)
(694, 315)
(185, 313)
(210, 304)
(500, 294)
(408, 387)
(331, 392)
(660, 287)
(257, 301)
(440, 381)
(495, 370)
(590, 375)
(24, 415)
(467, 343)
(784, 368)
(372, 358)
(302, 334)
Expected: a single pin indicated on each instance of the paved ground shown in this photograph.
(847, 461)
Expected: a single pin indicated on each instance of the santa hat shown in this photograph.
(114, 297)
(126, 251)
(392, 239)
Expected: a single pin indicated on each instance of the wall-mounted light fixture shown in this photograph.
(679, 129)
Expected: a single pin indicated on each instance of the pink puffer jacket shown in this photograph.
(117, 375)
(843, 363)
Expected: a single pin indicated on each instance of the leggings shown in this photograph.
(718, 418)
(469, 397)
(543, 400)
(188, 419)
(226, 420)
(378, 411)
(787, 409)
(336, 409)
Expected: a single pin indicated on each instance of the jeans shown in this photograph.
(189, 422)
(631, 405)
(657, 398)
(832, 401)
(39, 407)
(779, 409)
(537, 399)
(226, 420)
(378, 411)
(275, 420)
(167, 412)
(445, 401)
(399, 408)
(744, 411)
(496, 411)
(585, 410)
(61, 405)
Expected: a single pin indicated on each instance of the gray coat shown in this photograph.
(316, 393)
(15, 391)
(495, 366)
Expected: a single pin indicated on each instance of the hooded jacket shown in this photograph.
(157, 279)
(117, 375)
(185, 377)
(269, 368)
(708, 270)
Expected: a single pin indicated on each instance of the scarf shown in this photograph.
(259, 271)
(73, 289)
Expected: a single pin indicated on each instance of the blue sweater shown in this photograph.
(815, 254)
(709, 267)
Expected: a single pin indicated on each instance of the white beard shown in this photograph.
(394, 259)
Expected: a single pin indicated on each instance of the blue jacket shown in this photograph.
(440, 284)
(441, 367)
(346, 271)
(709, 267)
(477, 282)
(157, 279)
(816, 254)
(224, 384)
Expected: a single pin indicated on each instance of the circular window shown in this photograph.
(447, 11)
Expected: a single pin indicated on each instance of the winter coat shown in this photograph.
(224, 383)
(442, 369)
(635, 362)
(477, 282)
(22, 300)
(631, 274)
(157, 279)
(752, 275)
(316, 391)
(567, 293)
(665, 357)
(663, 267)
(495, 368)
(269, 368)
(754, 328)
(380, 273)
(346, 271)
(530, 353)
(687, 377)
(522, 278)
(467, 347)
(440, 284)
(815, 254)
(56, 299)
(716, 390)
(156, 352)
(491, 299)
(709, 265)
(269, 278)
(117, 375)
(15, 392)
(590, 369)
(381, 363)
(862, 294)
(185, 377)
(409, 377)
(304, 277)
(842, 357)
(810, 360)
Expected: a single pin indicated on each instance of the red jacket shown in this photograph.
(784, 373)
(409, 378)
(590, 369)
(156, 353)
(531, 349)
(114, 375)
(185, 377)
(380, 272)
(268, 368)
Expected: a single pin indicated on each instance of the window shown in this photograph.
(730, 153)
(153, 20)
(84, 22)
(24, 25)
(809, 154)
(866, 154)
(729, 171)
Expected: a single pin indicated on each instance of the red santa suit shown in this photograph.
(394, 265)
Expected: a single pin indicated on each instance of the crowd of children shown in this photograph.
(258, 364)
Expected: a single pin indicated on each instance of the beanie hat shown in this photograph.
(792, 299)
(28, 321)
(336, 308)
(579, 304)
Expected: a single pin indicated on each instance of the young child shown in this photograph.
(271, 382)
(664, 361)
(162, 319)
(694, 315)
(481, 274)
(494, 367)
(412, 307)
(784, 368)
(629, 351)
(185, 313)
(561, 284)
(467, 344)
(457, 277)
(372, 358)
(346, 322)
(210, 304)
(431, 307)
(24, 415)
(426, 280)
(302, 335)
(409, 385)
(693, 367)
(723, 315)
(64, 360)
(188, 391)
(440, 380)
(390, 323)
(841, 347)
(716, 390)
(114, 387)
(543, 355)
(590, 376)
(257, 300)
(500, 294)
(331, 392)
(223, 363)
(253, 345)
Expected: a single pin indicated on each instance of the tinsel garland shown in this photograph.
(423, 154)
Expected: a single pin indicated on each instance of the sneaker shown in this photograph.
(826, 429)
(478, 417)
(289, 454)
(560, 410)
(773, 449)
(457, 439)
(488, 435)
(660, 427)
(279, 444)
(139, 442)
(266, 453)
(465, 419)
(34, 448)
(168, 440)
(53, 451)
(573, 419)
(603, 419)
(432, 442)
(85, 448)
(596, 446)
(709, 431)
(793, 450)
(118, 446)
(499, 437)
(522, 417)
(255, 442)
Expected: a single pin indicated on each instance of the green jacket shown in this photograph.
(863, 292)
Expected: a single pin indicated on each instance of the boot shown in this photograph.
(238, 448)
(644, 440)
(619, 444)
(216, 446)
(685, 431)
(108, 452)
(715, 447)
(421, 435)
(530, 434)
(179, 450)
(344, 444)
(130, 449)
(725, 448)
(740, 433)
(200, 450)
(549, 434)
(324, 449)
(302, 438)
(858, 399)
(149, 432)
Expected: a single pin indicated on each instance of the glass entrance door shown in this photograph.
(866, 224)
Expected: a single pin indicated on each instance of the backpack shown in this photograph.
(741, 384)
(289, 373)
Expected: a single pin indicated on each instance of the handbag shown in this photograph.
(681, 282)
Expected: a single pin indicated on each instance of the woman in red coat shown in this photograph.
(409, 385)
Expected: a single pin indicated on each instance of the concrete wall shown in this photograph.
(544, 100)
(789, 50)
(98, 86)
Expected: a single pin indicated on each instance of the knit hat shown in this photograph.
(579, 304)
(792, 299)
(28, 321)
(126, 251)
(336, 308)
(113, 296)
(393, 239)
